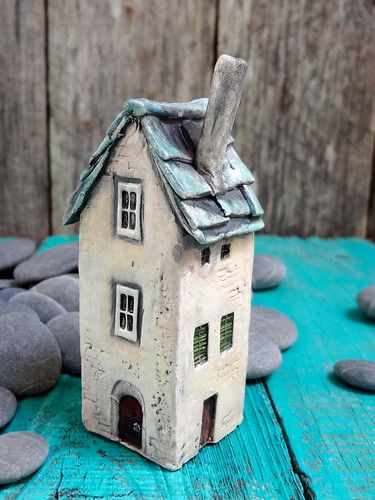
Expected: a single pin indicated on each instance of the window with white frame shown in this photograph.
(126, 324)
(129, 210)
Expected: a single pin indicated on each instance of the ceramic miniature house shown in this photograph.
(167, 216)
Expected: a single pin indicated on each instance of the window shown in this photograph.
(226, 332)
(129, 201)
(126, 324)
(205, 255)
(225, 251)
(200, 344)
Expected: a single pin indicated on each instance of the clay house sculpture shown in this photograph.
(167, 220)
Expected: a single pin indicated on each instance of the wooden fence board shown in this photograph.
(24, 179)
(102, 52)
(305, 122)
(371, 208)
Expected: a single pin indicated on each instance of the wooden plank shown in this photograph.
(24, 197)
(102, 52)
(253, 462)
(330, 426)
(305, 122)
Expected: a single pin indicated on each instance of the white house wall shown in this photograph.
(206, 294)
(106, 258)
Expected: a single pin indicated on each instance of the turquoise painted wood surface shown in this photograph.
(331, 428)
(304, 434)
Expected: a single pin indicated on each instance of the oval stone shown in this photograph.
(30, 357)
(268, 271)
(58, 260)
(366, 301)
(357, 372)
(7, 307)
(65, 328)
(264, 357)
(21, 454)
(14, 251)
(63, 289)
(8, 406)
(272, 325)
(44, 306)
(8, 293)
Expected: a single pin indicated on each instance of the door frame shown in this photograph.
(212, 400)
(120, 389)
(126, 432)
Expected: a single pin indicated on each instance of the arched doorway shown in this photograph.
(130, 421)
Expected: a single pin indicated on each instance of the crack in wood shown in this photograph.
(308, 492)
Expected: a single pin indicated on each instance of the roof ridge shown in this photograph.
(192, 110)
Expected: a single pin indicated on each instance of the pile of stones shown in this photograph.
(39, 339)
(360, 373)
(270, 331)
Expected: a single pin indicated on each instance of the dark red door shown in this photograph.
(130, 421)
(208, 420)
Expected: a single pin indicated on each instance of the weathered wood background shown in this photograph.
(306, 121)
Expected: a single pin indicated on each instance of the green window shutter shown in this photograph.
(200, 344)
(226, 332)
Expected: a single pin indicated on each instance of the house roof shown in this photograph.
(172, 131)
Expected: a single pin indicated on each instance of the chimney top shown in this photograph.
(224, 98)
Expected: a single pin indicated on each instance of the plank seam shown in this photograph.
(48, 116)
(370, 226)
(308, 492)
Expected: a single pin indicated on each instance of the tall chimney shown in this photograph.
(225, 95)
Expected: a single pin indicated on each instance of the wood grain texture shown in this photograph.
(330, 425)
(305, 122)
(24, 196)
(102, 52)
(252, 462)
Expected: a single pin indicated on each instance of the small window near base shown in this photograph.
(225, 251)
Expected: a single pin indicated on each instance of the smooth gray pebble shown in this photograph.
(58, 260)
(357, 372)
(21, 454)
(30, 357)
(8, 406)
(63, 289)
(44, 306)
(7, 307)
(366, 301)
(14, 251)
(65, 328)
(273, 325)
(8, 293)
(268, 271)
(264, 357)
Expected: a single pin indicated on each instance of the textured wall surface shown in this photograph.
(305, 123)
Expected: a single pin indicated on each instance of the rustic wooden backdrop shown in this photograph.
(306, 121)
